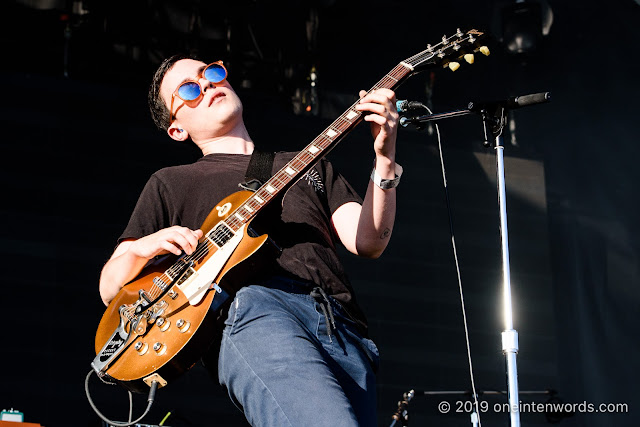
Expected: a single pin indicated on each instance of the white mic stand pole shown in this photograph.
(509, 335)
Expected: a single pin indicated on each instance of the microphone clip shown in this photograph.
(404, 106)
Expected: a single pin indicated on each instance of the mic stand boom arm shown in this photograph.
(494, 118)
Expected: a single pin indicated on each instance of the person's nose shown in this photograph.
(206, 84)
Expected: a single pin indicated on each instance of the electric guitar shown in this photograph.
(160, 323)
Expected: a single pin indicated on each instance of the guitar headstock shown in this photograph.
(449, 52)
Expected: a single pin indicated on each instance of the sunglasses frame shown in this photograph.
(196, 81)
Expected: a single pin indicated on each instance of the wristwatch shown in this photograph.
(386, 184)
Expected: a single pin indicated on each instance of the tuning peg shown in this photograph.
(454, 65)
(469, 58)
(485, 50)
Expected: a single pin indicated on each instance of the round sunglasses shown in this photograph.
(190, 90)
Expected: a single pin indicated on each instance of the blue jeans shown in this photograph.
(283, 368)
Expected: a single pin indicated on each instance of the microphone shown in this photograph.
(513, 102)
(404, 105)
(525, 100)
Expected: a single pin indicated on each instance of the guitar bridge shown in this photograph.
(188, 273)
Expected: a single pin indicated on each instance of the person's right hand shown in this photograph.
(168, 240)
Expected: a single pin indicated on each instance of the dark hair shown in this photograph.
(159, 110)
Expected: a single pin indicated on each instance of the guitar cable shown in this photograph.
(455, 256)
(151, 397)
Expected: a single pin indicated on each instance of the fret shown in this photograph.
(307, 158)
(258, 199)
(270, 188)
(409, 66)
(233, 226)
(323, 141)
(342, 124)
(279, 180)
(264, 195)
(299, 162)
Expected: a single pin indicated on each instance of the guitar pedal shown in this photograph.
(11, 415)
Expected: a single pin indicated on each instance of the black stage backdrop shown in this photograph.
(77, 150)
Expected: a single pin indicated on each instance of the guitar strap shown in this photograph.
(259, 170)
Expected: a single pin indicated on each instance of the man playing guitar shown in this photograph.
(294, 350)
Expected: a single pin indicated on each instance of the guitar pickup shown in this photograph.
(221, 235)
(187, 274)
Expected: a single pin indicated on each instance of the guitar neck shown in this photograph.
(311, 154)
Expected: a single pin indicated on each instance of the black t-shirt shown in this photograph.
(184, 195)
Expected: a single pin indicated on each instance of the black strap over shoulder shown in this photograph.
(259, 170)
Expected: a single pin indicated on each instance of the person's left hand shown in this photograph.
(381, 104)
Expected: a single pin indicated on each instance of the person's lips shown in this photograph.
(216, 95)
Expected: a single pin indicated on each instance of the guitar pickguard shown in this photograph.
(199, 281)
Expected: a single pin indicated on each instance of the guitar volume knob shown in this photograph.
(141, 347)
(183, 325)
(159, 348)
(163, 323)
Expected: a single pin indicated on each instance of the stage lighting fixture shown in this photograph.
(524, 23)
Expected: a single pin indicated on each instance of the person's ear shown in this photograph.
(177, 133)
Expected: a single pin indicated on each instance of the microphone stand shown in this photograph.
(401, 416)
(494, 118)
